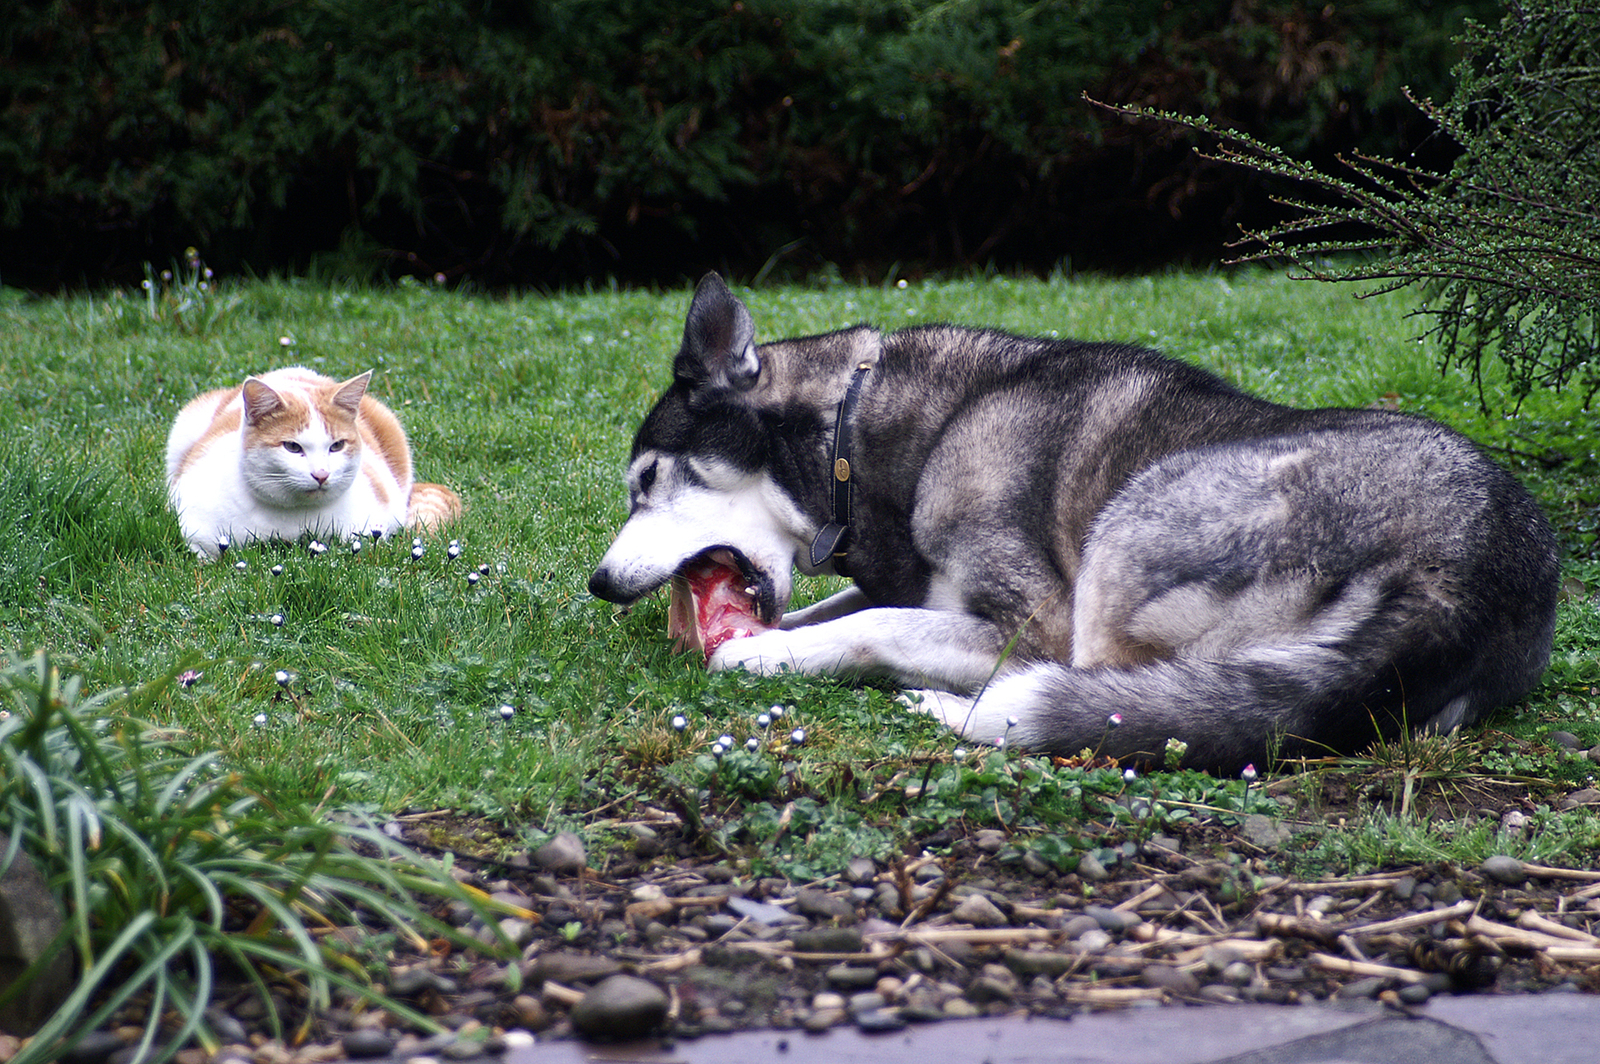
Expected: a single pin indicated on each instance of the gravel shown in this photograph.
(681, 944)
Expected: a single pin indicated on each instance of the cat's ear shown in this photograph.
(348, 397)
(259, 400)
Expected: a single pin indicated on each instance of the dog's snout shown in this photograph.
(603, 585)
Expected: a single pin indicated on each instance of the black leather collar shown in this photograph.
(833, 540)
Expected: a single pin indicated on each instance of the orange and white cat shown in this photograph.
(292, 452)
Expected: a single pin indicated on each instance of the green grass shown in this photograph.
(526, 405)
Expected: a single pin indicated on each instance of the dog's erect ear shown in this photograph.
(719, 347)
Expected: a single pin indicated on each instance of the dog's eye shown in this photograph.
(647, 478)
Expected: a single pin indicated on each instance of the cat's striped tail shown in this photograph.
(431, 506)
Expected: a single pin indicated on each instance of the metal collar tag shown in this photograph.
(832, 540)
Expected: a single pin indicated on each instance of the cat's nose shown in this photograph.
(319, 475)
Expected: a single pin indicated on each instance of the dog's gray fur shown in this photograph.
(1081, 529)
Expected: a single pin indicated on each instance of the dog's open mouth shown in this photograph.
(716, 597)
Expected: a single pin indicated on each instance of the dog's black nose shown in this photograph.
(602, 586)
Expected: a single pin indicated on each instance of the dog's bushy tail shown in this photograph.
(1279, 702)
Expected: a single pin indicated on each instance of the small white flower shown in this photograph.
(277, 620)
(776, 712)
(507, 712)
(752, 744)
(355, 545)
(717, 750)
(726, 740)
(260, 720)
(282, 677)
(223, 543)
(417, 542)
(473, 578)
(959, 752)
(764, 720)
(417, 552)
(241, 565)
(680, 722)
(276, 570)
(1129, 775)
(798, 736)
(453, 551)
(285, 341)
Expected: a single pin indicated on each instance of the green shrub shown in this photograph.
(176, 868)
(499, 140)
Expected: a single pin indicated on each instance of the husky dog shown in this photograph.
(1080, 545)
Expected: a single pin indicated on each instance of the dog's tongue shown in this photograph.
(711, 604)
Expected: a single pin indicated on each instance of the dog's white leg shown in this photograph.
(840, 604)
(1005, 711)
(914, 647)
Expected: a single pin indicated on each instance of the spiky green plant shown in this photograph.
(1505, 245)
(173, 865)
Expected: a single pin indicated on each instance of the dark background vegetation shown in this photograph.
(561, 141)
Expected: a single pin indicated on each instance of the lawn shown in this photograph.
(516, 696)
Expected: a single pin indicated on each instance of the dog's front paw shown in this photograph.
(766, 654)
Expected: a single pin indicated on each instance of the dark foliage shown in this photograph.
(1505, 244)
(562, 139)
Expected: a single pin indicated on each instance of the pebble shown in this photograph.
(365, 1043)
(849, 977)
(620, 1008)
(1090, 869)
(821, 905)
(880, 1021)
(1502, 869)
(1577, 799)
(827, 940)
(563, 855)
(1172, 980)
(1265, 832)
(1113, 921)
(565, 966)
(979, 911)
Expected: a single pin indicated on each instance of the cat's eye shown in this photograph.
(336, 446)
(293, 448)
